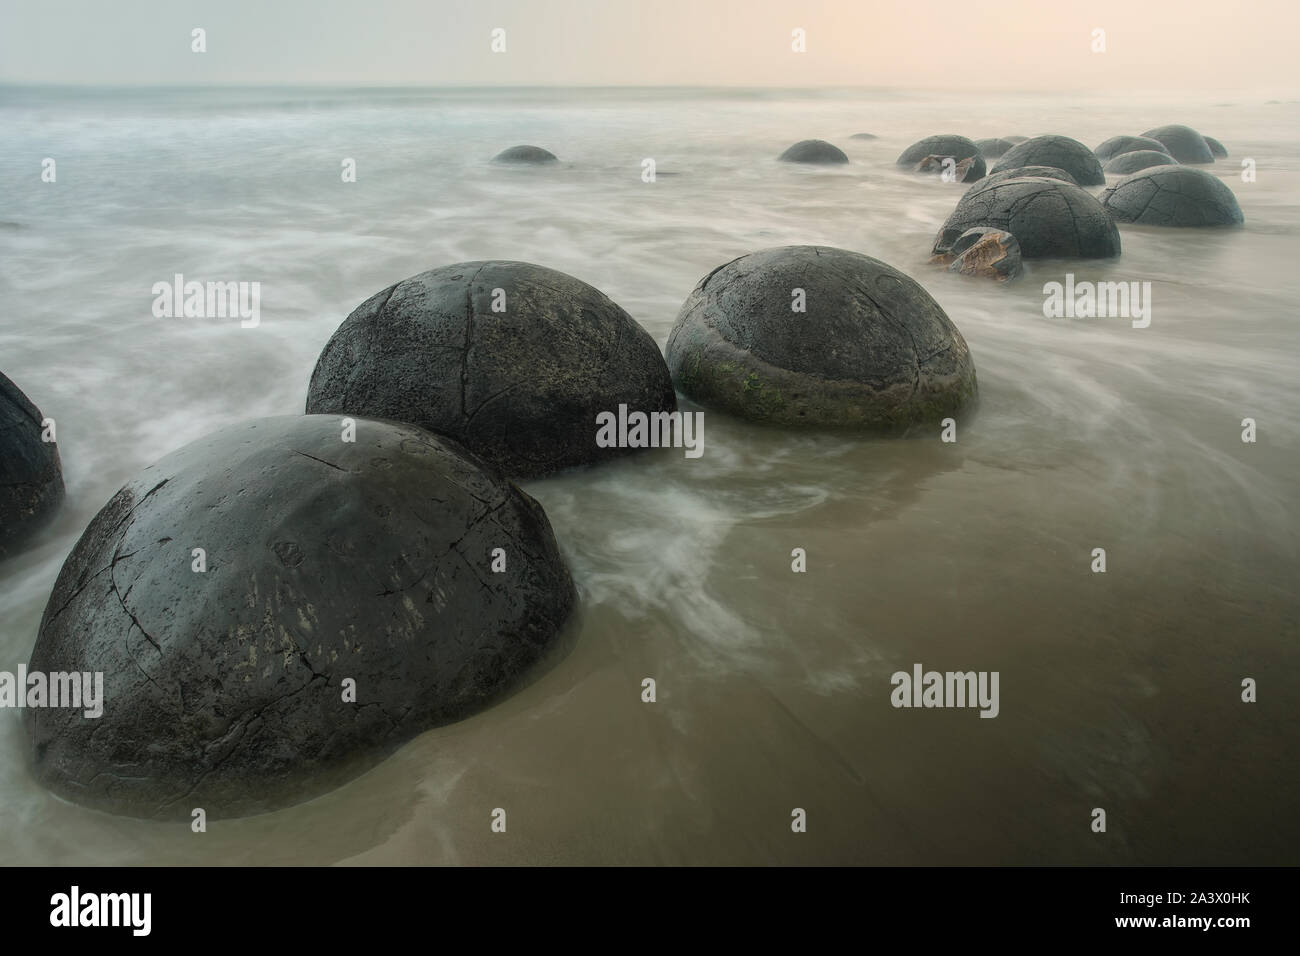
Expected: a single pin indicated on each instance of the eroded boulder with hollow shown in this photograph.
(1047, 216)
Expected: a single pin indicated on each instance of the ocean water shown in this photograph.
(1118, 690)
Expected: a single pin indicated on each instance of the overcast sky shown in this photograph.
(1211, 45)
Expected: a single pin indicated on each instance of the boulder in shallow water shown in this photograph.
(864, 136)
(1173, 196)
(816, 151)
(1022, 172)
(31, 474)
(1217, 149)
(870, 349)
(993, 148)
(957, 148)
(1059, 152)
(512, 360)
(1183, 143)
(989, 253)
(1127, 144)
(326, 560)
(525, 156)
(1125, 163)
(1047, 216)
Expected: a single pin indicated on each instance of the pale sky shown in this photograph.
(1210, 45)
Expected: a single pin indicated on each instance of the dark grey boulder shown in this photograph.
(519, 387)
(1127, 144)
(813, 151)
(989, 253)
(864, 136)
(1183, 143)
(1125, 163)
(1217, 149)
(31, 474)
(958, 148)
(1016, 139)
(1047, 216)
(993, 148)
(872, 349)
(326, 560)
(1173, 196)
(1060, 152)
(525, 156)
(1044, 172)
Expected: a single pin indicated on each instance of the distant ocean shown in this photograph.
(1119, 690)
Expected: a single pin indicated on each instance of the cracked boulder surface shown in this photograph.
(872, 350)
(325, 560)
(987, 253)
(945, 145)
(1124, 163)
(31, 474)
(520, 387)
(814, 151)
(1060, 152)
(1183, 143)
(525, 156)
(1173, 196)
(1117, 145)
(1048, 217)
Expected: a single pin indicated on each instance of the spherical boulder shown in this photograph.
(816, 151)
(990, 253)
(993, 148)
(816, 336)
(1125, 163)
(1047, 216)
(513, 360)
(525, 156)
(1173, 196)
(31, 474)
(1127, 144)
(1060, 152)
(348, 595)
(1183, 143)
(1217, 149)
(921, 156)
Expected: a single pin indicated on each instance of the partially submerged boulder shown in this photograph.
(1047, 216)
(1127, 144)
(1183, 143)
(813, 151)
(1059, 152)
(957, 148)
(1023, 172)
(512, 360)
(1125, 163)
(31, 473)
(1173, 196)
(816, 336)
(993, 148)
(1217, 149)
(525, 156)
(349, 595)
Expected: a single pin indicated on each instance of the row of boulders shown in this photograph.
(378, 540)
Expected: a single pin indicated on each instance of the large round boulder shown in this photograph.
(927, 155)
(1125, 163)
(513, 360)
(1217, 149)
(525, 156)
(349, 595)
(816, 151)
(1173, 196)
(1183, 143)
(993, 148)
(1047, 216)
(816, 336)
(1060, 152)
(31, 474)
(1127, 144)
